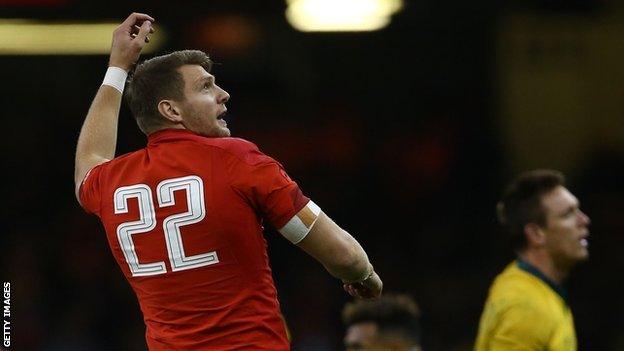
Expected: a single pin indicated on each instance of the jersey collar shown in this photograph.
(529, 268)
(170, 134)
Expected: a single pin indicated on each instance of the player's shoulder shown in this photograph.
(119, 160)
(514, 279)
(516, 287)
(241, 149)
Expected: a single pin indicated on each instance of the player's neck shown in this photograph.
(545, 264)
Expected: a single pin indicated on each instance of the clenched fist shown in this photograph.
(129, 39)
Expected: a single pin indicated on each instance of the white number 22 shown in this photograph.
(194, 189)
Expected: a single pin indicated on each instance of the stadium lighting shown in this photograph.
(29, 37)
(341, 15)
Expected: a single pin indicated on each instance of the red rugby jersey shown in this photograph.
(183, 218)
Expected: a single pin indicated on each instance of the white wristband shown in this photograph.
(115, 77)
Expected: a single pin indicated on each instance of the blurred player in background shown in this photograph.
(390, 323)
(527, 306)
(184, 215)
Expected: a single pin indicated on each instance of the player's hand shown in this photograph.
(129, 39)
(367, 289)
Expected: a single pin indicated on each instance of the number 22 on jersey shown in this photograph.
(194, 190)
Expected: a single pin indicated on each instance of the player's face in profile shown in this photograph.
(365, 337)
(361, 337)
(204, 103)
(566, 227)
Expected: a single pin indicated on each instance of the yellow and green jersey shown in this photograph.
(525, 311)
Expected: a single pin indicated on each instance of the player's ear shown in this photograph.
(170, 110)
(535, 234)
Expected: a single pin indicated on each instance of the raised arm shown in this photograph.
(342, 256)
(98, 136)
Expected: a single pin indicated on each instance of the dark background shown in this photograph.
(404, 136)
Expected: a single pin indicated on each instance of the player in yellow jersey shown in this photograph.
(526, 308)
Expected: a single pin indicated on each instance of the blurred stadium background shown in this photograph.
(405, 135)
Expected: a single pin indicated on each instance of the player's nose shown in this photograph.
(584, 219)
(224, 96)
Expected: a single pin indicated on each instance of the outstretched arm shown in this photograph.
(98, 136)
(342, 256)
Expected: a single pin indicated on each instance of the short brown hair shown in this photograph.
(156, 79)
(394, 314)
(522, 203)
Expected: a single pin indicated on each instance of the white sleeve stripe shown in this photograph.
(295, 230)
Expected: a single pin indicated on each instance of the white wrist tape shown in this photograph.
(299, 226)
(115, 77)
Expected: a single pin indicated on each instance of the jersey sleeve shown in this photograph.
(89, 191)
(265, 184)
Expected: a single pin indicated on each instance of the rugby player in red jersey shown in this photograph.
(184, 215)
